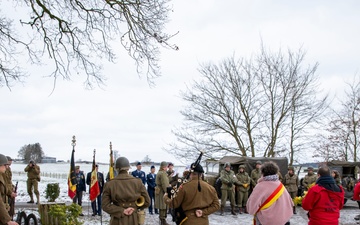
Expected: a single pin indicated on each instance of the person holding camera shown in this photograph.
(33, 174)
(228, 180)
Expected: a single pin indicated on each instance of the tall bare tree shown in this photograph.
(246, 107)
(344, 126)
(76, 35)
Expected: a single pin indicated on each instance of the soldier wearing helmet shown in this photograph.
(309, 179)
(242, 189)
(4, 206)
(33, 174)
(162, 182)
(291, 183)
(255, 174)
(121, 196)
(228, 179)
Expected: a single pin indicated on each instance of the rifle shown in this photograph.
(12, 202)
(178, 214)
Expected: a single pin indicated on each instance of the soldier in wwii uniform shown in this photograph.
(197, 198)
(243, 188)
(228, 179)
(9, 186)
(5, 219)
(291, 183)
(255, 174)
(162, 182)
(33, 174)
(309, 178)
(121, 195)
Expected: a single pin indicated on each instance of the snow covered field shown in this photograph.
(58, 173)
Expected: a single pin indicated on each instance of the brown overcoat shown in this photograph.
(162, 182)
(191, 199)
(121, 193)
(4, 214)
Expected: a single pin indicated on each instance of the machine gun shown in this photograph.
(178, 214)
(12, 202)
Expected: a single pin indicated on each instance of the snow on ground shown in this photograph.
(58, 173)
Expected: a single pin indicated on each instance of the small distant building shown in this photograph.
(47, 159)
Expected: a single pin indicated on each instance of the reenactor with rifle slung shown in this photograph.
(11, 192)
(229, 181)
(309, 179)
(243, 188)
(5, 218)
(33, 174)
(291, 183)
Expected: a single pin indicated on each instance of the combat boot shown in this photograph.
(163, 222)
(233, 210)
(37, 199)
(222, 210)
(294, 209)
(245, 211)
(240, 210)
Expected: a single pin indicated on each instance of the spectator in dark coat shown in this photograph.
(150, 179)
(80, 187)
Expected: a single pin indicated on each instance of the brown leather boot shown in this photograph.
(222, 210)
(233, 210)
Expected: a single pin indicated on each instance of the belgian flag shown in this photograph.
(94, 186)
(111, 164)
(72, 182)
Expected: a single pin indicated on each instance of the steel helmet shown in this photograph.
(3, 160)
(122, 163)
(227, 164)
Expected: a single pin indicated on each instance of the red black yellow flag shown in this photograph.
(94, 186)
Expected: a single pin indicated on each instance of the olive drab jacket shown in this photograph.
(190, 199)
(8, 181)
(291, 183)
(228, 180)
(4, 206)
(244, 181)
(255, 175)
(32, 172)
(120, 193)
(162, 182)
(309, 179)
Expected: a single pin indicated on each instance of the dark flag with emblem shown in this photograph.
(72, 177)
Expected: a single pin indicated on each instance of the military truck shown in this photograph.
(249, 162)
(349, 175)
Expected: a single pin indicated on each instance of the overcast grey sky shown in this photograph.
(138, 119)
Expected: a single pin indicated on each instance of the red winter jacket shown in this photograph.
(356, 196)
(323, 205)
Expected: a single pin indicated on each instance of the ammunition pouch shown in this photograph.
(157, 190)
